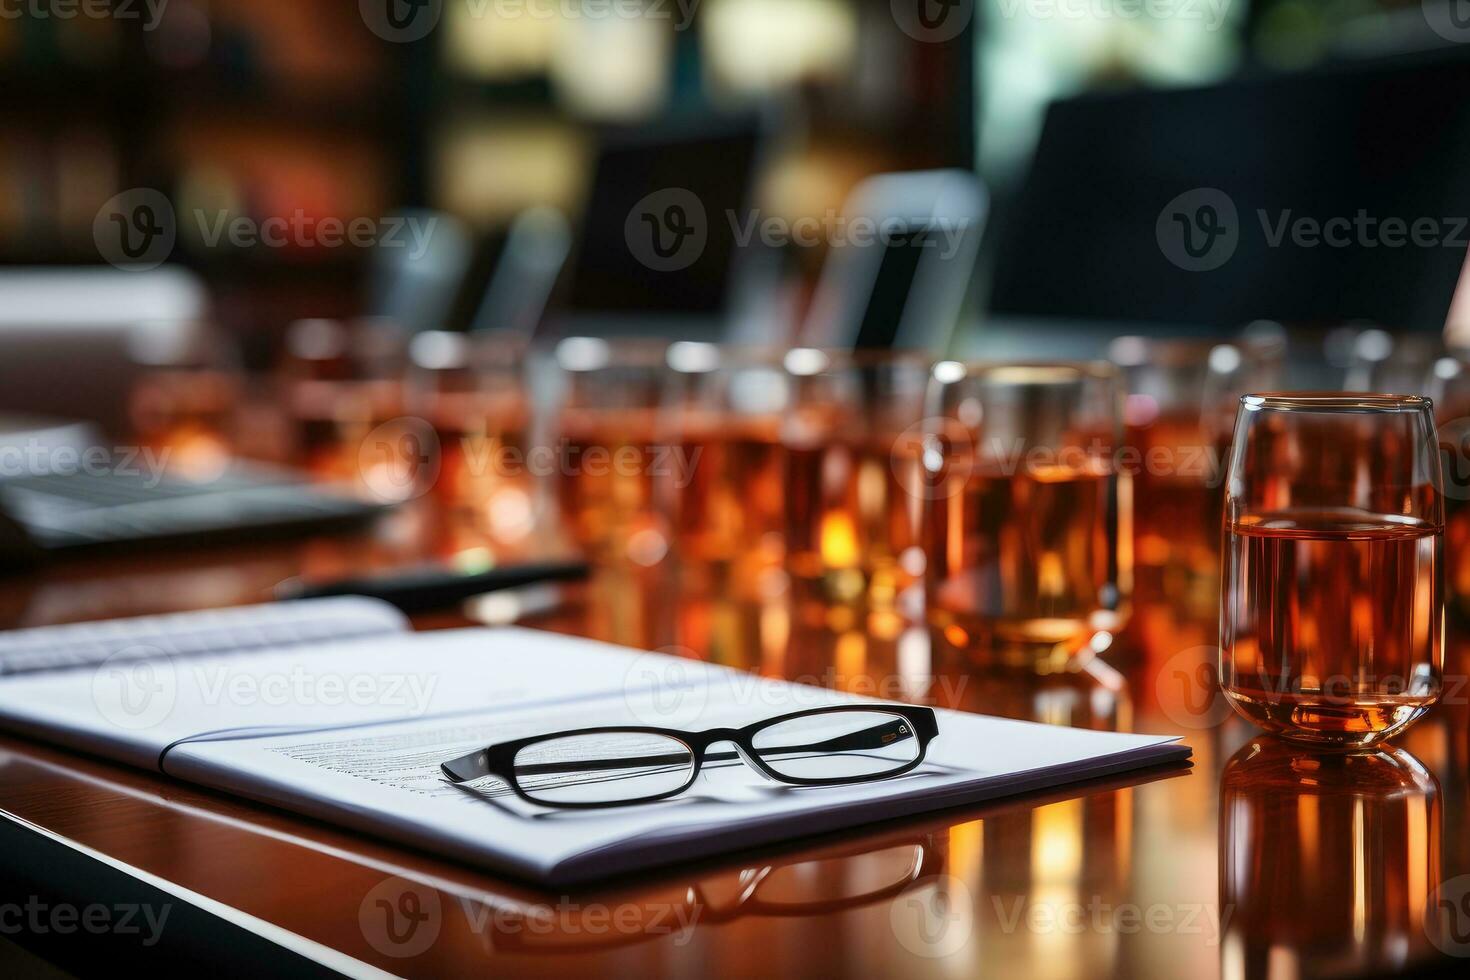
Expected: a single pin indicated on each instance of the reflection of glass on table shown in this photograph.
(1328, 861)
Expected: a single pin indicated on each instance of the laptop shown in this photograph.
(63, 491)
(658, 252)
(905, 289)
(1097, 234)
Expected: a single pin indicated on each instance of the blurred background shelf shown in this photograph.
(252, 106)
(245, 106)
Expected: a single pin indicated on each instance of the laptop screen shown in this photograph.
(665, 212)
(1289, 197)
(891, 288)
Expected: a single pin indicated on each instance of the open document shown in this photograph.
(349, 723)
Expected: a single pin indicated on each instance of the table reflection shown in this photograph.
(1327, 860)
(1051, 874)
(825, 882)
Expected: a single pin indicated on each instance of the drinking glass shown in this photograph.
(342, 380)
(1179, 415)
(611, 447)
(470, 389)
(723, 410)
(1332, 610)
(184, 401)
(1379, 360)
(1023, 512)
(852, 439)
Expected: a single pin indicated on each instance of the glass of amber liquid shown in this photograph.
(1332, 607)
(611, 446)
(1182, 395)
(471, 390)
(1022, 512)
(852, 437)
(723, 410)
(183, 405)
(341, 381)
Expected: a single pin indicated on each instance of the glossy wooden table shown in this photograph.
(1253, 861)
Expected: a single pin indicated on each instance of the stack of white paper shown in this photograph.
(353, 730)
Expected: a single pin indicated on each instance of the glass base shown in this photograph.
(1338, 722)
(1041, 655)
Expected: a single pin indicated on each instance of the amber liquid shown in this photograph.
(1332, 626)
(187, 415)
(1454, 452)
(608, 486)
(1177, 497)
(480, 436)
(1457, 543)
(727, 493)
(1021, 558)
(484, 471)
(852, 515)
(332, 420)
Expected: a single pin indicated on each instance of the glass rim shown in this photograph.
(1137, 351)
(1334, 401)
(806, 360)
(453, 350)
(586, 354)
(1027, 372)
(695, 357)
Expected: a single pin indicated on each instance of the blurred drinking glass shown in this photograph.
(724, 409)
(853, 486)
(610, 447)
(1179, 416)
(1023, 513)
(343, 380)
(470, 390)
(1379, 361)
(1332, 616)
(184, 400)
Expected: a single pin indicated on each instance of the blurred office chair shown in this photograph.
(69, 337)
(903, 290)
(534, 253)
(417, 270)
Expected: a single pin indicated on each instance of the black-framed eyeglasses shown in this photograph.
(618, 766)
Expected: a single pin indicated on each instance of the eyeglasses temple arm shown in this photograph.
(869, 738)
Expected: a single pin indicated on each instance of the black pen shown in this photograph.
(428, 589)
